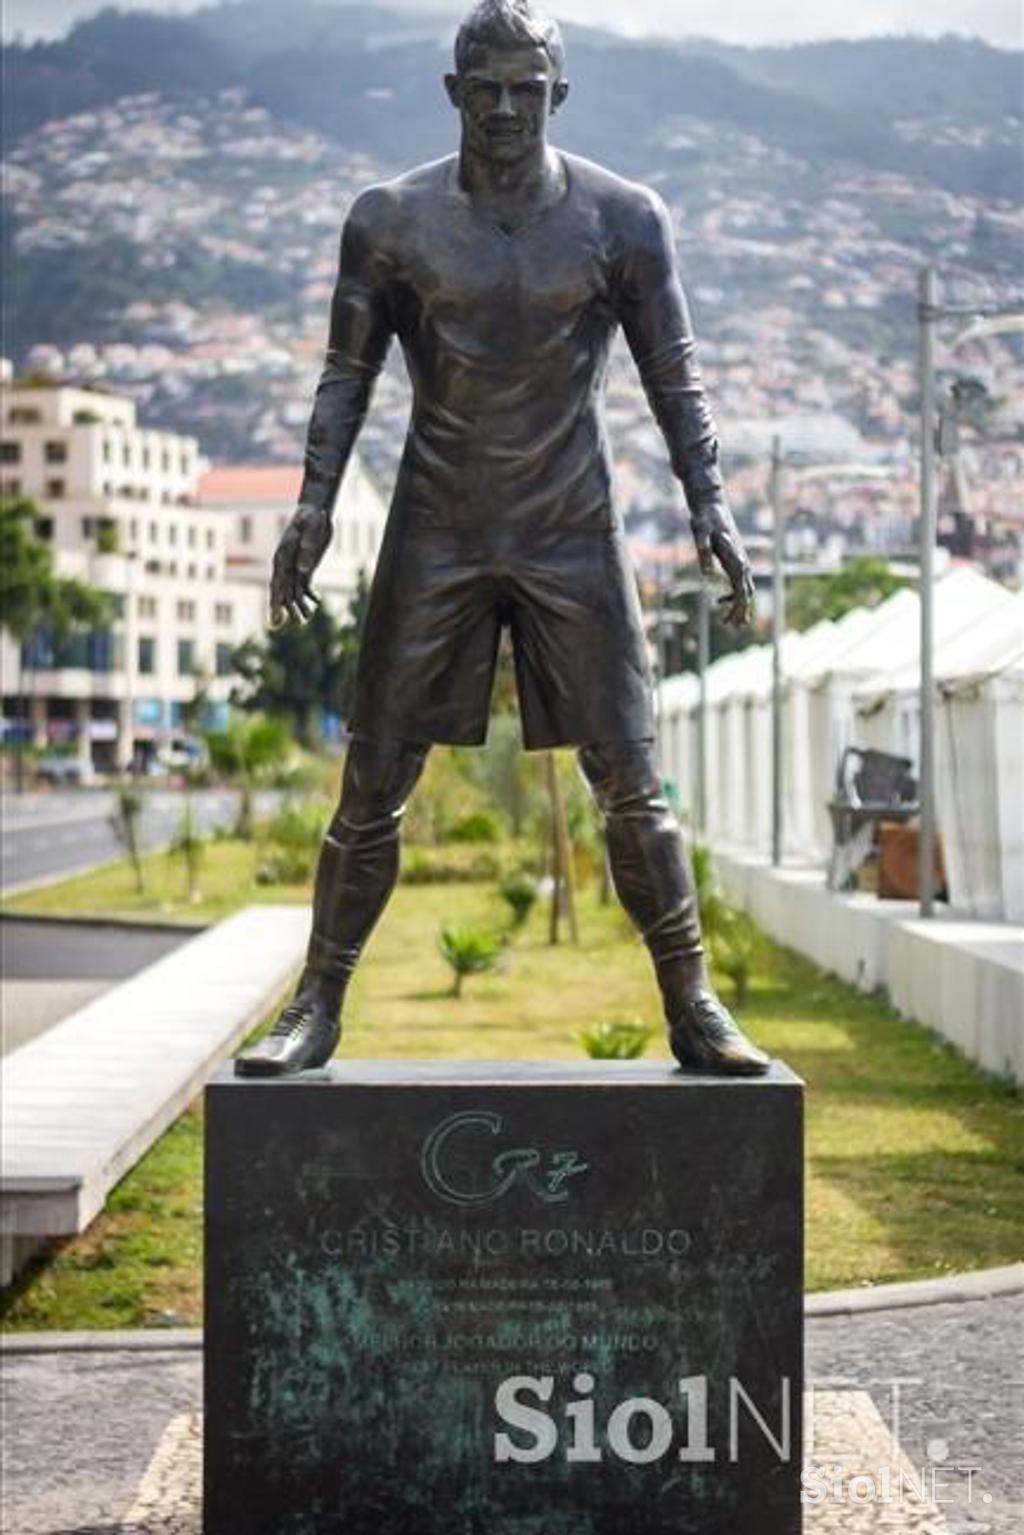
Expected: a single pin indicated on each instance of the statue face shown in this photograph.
(505, 98)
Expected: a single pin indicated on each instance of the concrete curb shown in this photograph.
(958, 1289)
(119, 924)
(953, 1289)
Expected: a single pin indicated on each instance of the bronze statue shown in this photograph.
(505, 271)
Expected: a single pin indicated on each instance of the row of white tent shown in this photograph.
(856, 682)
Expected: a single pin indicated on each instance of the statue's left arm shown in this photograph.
(654, 315)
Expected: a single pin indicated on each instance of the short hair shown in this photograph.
(509, 23)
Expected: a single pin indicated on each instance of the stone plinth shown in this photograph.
(503, 1299)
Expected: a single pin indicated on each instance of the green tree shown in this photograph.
(468, 950)
(32, 596)
(249, 750)
(302, 672)
(863, 583)
(124, 822)
(188, 847)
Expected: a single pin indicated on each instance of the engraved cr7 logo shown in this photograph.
(457, 1169)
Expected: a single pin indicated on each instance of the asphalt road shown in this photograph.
(47, 836)
(33, 950)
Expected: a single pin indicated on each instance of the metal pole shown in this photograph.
(778, 628)
(703, 653)
(928, 296)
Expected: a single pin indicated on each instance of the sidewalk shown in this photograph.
(84, 1426)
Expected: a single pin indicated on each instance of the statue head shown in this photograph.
(509, 78)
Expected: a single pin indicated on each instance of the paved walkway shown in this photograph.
(50, 970)
(85, 1099)
(83, 1428)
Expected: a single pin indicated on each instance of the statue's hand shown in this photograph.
(717, 538)
(299, 551)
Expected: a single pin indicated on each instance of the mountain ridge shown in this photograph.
(311, 64)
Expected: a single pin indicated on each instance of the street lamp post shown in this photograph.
(988, 320)
(927, 313)
(778, 629)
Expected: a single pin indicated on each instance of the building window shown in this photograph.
(191, 537)
(146, 458)
(106, 453)
(223, 658)
(126, 455)
(88, 527)
(12, 487)
(209, 538)
(190, 572)
(54, 489)
(147, 655)
(153, 567)
(223, 612)
(116, 601)
(133, 529)
(186, 658)
(24, 415)
(211, 572)
(245, 530)
(10, 452)
(184, 463)
(172, 533)
(165, 462)
(56, 452)
(102, 654)
(44, 528)
(186, 611)
(147, 607)
(154, 532)
(172, 567)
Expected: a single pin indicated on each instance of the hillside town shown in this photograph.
(803, 295)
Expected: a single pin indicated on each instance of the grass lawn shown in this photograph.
(227, 879)
(914, 1158)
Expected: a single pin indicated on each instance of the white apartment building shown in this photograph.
(258, 499)
(120, 506)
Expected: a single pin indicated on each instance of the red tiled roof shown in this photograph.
(240, 483)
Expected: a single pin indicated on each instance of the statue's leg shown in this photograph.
(356, 874)
(654, 882)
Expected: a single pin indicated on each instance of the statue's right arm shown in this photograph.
(360, 333)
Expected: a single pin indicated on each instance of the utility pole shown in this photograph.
(778, 629)
(984, 320)
(927, 313)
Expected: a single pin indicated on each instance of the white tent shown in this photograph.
(977, 621)
(853, 682)
(887, 643)
(822, 713)
(678, 698)
(979, 764)
(728, 769)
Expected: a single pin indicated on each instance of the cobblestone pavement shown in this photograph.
(879, 1491)
(83, 1429)
(955, 1374)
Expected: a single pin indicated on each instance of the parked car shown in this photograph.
(58, 769)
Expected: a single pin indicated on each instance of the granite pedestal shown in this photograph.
(503, 1299)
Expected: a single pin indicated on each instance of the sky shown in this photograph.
(736, 21)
